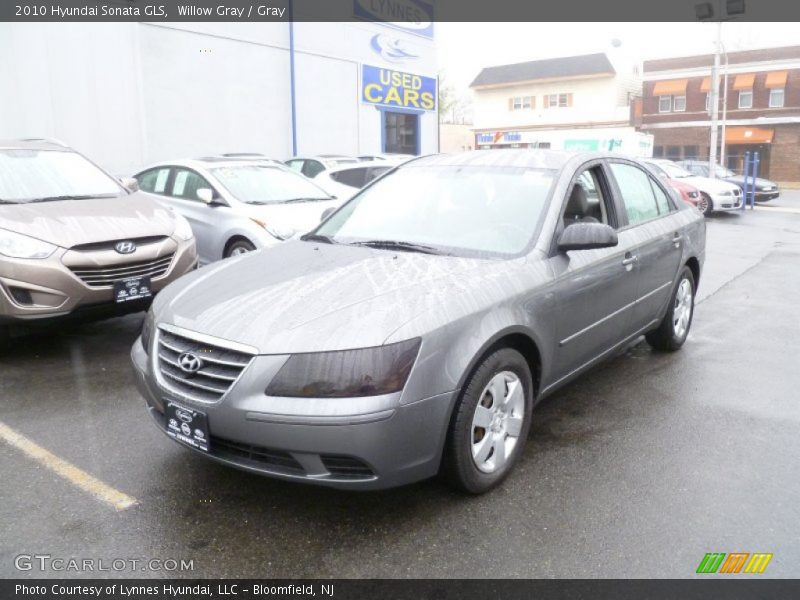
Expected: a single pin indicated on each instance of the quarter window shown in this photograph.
(746, 99)
(776, 98)
(154, 180)
(636, 188)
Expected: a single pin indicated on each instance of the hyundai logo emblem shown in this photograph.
(126, 247)
(189, 363)
(183, 416)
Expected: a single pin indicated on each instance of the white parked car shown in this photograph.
(311, 166)
(715, 194)
(345, 180)
(236, 206)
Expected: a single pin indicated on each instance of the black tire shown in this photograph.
(666, 338)
(458, 466)
(239, 246)
(708, 206)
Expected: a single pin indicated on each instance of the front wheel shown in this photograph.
(674, 328)
(239, 247)
(491, 423)
(705, 205)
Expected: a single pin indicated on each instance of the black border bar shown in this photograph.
(409, 11)
(716, 587)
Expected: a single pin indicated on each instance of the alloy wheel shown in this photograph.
(497, 422)
(682, 311)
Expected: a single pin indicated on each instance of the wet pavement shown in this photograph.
(636, 470)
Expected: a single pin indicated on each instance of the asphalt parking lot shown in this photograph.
(636, 470)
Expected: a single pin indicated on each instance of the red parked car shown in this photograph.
(688, 193)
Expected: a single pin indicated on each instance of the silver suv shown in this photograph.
(73, 239)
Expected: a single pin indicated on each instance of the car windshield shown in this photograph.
(673, 170)
(723, 172)
(45, 175)
(256, 184)
(467, 211)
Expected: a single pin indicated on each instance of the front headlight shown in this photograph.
(182, 229)
(16, 245)
(346, 373)
(276, 231)
(148, 325)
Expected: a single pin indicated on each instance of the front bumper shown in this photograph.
(37, 290)
(725, 203)
(767, 196)
(372, 443)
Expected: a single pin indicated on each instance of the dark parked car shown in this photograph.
(414, 330)
(765, 189)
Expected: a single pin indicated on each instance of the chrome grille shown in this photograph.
(107, 276)
(220, 367)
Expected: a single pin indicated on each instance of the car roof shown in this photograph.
(524, 158)
(34, 144)
(210, 162)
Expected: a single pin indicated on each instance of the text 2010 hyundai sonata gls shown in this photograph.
(413, 331)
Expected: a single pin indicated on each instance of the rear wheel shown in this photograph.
(705, 205)
(674, 328)
(238, 247)
(491, 423)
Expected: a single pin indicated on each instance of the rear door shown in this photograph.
(654, 230)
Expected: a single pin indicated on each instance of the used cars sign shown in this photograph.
(386, 87)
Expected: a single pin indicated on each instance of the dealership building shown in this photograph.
(128, 94)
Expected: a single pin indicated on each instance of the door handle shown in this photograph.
(676, 239)
(629, 260)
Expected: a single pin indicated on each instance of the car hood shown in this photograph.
(708, 185)
(305, 297)
(300, 216)
(67, 223)
(739, 180)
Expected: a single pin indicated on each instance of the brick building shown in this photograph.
(763, 108)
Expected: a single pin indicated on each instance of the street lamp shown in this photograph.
(705, 12)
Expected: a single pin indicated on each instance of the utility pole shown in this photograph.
(722, 158)
(713, 138)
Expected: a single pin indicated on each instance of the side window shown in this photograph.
(586, 203)
(186, 184)
(663, 203)
(154, 180)
(312, 168)
(355, 178)
(375, 172)
(295, 165)
(637, 193)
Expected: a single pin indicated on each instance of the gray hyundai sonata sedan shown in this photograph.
(413, 332)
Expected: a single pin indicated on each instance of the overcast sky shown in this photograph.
(465, 48)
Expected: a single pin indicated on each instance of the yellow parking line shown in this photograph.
(70, 472)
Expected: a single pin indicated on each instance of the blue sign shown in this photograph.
(386, 87)
(413, 16)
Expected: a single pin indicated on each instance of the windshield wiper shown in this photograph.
(296, 200)
(318, 237)
(71, 197)
(397, 245)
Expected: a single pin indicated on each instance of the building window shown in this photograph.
(400, 133)
(679, 103)
(746, 99)
(776, 98)
(658, 151)
(558, 100)
(522, 103)
(664, 104)
(674, 152)
(691, 152)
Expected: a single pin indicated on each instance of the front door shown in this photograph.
(596, 289)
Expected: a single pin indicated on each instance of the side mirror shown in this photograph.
(587, 236)
(205, 195)
(327, 213)
(130, 184)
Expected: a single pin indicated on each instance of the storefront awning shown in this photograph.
(744, 81)
(748, 135)
(776, 79)
(706, 85)
(671, 87)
